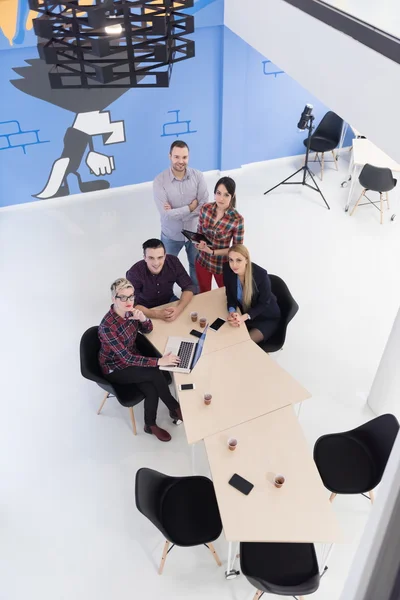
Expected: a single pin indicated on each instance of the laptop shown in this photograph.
(188, 351)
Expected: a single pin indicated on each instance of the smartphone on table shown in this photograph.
(217, 324)
(241, 484)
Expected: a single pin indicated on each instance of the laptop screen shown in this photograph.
(199, 348)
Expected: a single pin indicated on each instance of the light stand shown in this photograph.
(306, 122)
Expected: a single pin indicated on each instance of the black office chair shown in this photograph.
(353, 462)
(288, 307)
(127, 395)
(184, 509)
(375, 179)
(326, 138)
(282, 569)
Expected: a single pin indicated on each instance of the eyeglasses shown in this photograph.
(126, 298)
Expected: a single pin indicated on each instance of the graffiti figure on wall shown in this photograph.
(78, 156)
(78, 145)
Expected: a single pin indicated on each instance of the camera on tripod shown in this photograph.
(306, 117)
(305, 122)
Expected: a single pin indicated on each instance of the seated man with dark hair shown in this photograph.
(153, 279)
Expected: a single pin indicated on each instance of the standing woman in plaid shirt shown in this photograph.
(126, 357)
(223, 226)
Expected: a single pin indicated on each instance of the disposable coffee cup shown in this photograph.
(279, 481)
(232, 443)
(193, 316)
(207, 399)
(203, 322)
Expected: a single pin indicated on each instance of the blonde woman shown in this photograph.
(249, 288)
(123, 362)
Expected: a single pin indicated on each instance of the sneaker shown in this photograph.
(160, 434)
(176, 416)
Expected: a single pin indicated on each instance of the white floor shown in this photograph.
(69, 526)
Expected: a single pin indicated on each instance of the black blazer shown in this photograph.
(263, 303)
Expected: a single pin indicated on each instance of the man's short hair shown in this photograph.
(153, 243)
(178, 144)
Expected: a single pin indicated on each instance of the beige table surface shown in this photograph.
(273, 444)
(364, 151)
(245, 383)
(210, 305)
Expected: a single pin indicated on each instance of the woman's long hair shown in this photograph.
(248, 287)
(230, 185)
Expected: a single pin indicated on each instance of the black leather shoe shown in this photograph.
(176, 416)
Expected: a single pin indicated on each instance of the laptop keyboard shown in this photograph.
(184, 353)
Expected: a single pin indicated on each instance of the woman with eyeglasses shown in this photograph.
(123, 362)
(222, 225)
(248, 287)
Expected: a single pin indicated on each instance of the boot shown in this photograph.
(160, 434)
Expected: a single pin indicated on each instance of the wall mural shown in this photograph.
(270, 69)
(178, 127)
(78, 155)
(86, 151)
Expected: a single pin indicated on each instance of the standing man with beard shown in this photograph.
(179, 193)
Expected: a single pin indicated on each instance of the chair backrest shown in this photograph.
(150, 486)
(379, 435)
(184, 509)
(89, 350)
(287, 304)
(330, 127)
(377, 179)
(280, 568)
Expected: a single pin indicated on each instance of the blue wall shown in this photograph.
(234, 108)
(261, 107)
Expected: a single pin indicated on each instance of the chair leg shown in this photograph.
(332, 497)
(322, 166)
(316, 156)
(103, 403)
(132, 414)
(381, 206)
(215, 555)
(371, 496)
(358, 202)
(258, 595)
(335, 160)
(387, 199)
(163, 558)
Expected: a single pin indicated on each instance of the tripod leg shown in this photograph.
(318, 190)
(284, 181)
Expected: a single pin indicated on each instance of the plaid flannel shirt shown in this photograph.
(220, 233)
(118, 343)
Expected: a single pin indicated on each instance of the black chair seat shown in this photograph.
(184, 509)
(353, 462)
(376, 179)
(190, 512)
(283, 569)
(127, 395)
(321, 144)
(346, 464)
(288, 307)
